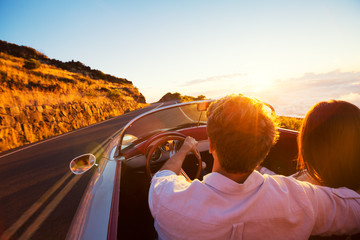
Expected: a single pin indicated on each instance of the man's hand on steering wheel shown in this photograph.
(177, 156)
(190, 145)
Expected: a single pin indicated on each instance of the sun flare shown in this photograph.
(260, 82)
(254, 83)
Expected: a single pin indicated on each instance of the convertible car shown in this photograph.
(115, 206)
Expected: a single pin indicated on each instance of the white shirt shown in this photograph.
(263, 207)
(302, 175)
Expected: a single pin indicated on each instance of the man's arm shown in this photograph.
(300, 176)
(158, 183)
(336, 211)
(175, 162)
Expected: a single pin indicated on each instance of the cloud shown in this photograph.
(295, 96)
(290, 97)
(352, 97)
(214, 79)
(323, 80)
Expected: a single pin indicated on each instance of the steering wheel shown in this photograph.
(172, 150)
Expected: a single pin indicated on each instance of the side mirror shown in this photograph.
(82, 163)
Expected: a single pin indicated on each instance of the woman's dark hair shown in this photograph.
(329, 144)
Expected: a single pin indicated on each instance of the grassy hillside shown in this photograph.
(42, 97)
(50, 85)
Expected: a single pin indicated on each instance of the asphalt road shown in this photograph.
(38, 193)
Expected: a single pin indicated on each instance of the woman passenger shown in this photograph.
(329, 145)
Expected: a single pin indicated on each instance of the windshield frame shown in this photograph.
(118, 152)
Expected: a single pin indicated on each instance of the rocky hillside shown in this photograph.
(42, 97)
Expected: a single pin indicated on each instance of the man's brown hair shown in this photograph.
(242, 132)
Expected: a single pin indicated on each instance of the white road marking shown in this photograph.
(56, 201)
(64, 134)
(185, 115)
(158, 106)
(55, 137)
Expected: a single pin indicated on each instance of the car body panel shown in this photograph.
(93, 216)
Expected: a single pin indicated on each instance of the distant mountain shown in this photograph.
(180, 98)
(42, 97)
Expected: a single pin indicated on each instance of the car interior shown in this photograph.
(135, 220)
(147, 144)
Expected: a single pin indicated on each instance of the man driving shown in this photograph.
(235, 201)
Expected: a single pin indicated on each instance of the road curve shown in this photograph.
(38, 194)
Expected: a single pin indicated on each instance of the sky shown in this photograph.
(291, 54)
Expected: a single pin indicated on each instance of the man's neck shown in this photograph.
(237, 177)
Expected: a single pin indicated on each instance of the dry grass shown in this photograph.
(48, 85)
(291, 123)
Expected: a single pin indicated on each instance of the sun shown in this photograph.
(260, 82)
